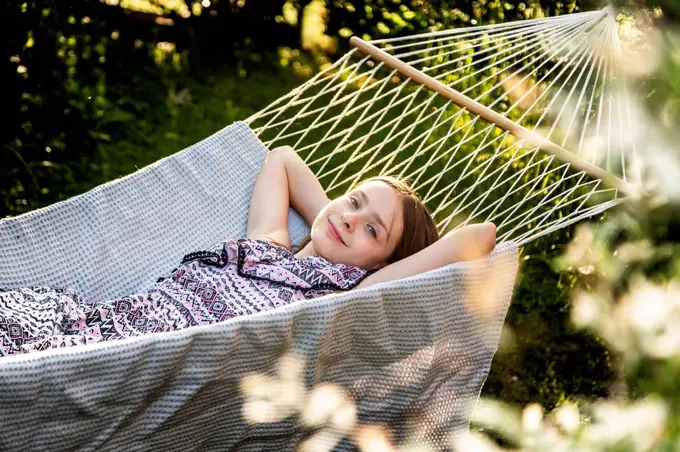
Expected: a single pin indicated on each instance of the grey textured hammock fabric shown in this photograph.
(413, 352)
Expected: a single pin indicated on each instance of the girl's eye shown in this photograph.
(372, 231)
(354, 202)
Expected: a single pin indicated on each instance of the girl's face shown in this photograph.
(361, 228)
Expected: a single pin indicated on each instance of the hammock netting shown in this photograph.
(557, 76)
(413, 354)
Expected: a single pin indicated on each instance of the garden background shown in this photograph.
(97, 89)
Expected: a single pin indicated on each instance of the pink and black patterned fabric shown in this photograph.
(237, 277)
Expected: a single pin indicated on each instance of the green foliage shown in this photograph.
(71, 93)
(86, 77)
(543, 358)
(194, 108)
(376, 19)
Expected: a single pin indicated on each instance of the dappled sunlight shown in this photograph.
(483, 297)
(642, 45)
(522, 90)
(155, 6)
(314, 35)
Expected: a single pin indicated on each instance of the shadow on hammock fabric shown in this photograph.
(413, 352)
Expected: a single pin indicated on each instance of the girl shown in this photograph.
(379, 231)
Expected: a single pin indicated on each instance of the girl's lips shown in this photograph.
(334, 232)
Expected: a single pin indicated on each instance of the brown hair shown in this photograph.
(420, 230)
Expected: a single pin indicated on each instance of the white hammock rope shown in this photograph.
(547, 79)
(331, 87)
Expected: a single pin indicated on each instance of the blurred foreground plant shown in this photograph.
(628, 295)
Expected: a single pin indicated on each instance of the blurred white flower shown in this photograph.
(652, 313)
(326, 402)
(474, 442)
(650, 153)
(646, 305)
(641, 424)
(666, 343)
(567, 417)
(662, 168)
(635, 251)
(593, 149)
(498, 417)
(329, 406)
(532, 417)
(373, 438)
(580, 251)
(586, 309)
(271, 399)
(261, 411)
(322, 441)
(586, 269)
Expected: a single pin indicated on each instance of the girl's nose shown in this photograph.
(349, 220)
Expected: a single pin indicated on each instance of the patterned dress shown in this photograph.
(237, 277)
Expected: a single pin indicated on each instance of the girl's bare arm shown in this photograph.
(284, 181)
(467, 243)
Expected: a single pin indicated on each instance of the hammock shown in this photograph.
(413, 354)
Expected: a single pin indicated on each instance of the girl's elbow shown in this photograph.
(471, 242)
(488, 240)
(280, 151)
